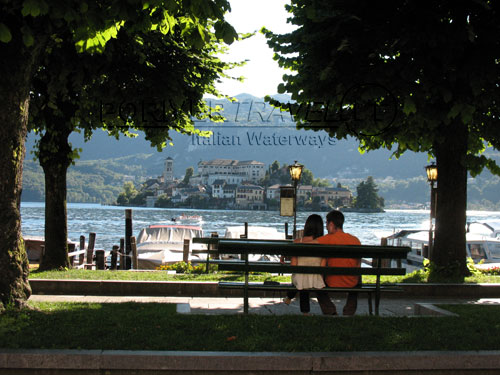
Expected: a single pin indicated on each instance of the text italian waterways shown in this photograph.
(263, 139)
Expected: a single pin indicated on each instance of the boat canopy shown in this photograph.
(173, 234)
(486, 228)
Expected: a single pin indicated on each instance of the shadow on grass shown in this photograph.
(154, 326)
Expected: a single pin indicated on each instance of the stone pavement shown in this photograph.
(274, 306)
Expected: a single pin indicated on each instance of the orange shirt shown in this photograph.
(341, 238)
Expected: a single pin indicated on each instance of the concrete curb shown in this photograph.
(146, 362)
(210, 289)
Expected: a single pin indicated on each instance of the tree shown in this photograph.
(367, 197)
(163, 201)
(164, 69)
(408, 75)
(187, 176)
(28, 30)
(307, 177)
(275, 166)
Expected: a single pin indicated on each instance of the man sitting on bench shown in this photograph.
(336, 236)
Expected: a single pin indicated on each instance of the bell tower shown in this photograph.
(168, 170)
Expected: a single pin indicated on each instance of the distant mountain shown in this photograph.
(253, 130)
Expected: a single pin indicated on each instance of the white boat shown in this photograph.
(164, 244)
(480, 248)
(255, 232)
(486, 228)
(188, 219)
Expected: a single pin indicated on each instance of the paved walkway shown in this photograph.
(274, 306)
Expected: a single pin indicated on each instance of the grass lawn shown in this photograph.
(153, 326)
(415, 277)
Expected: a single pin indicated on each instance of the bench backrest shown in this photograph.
(288, 248)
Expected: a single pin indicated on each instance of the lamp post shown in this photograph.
(295, 173)
(432, 174)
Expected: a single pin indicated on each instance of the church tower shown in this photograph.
(168, 170)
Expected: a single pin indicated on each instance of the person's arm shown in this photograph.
(307, 239)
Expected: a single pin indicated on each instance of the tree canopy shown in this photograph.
(30, 31)
(407, 75)
(153, 81)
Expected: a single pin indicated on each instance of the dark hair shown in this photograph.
(314, 226)
(335, 217)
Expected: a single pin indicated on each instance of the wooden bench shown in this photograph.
(286, 248)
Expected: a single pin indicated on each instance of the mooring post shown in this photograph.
(128, 234)
(123, 262)
(185, 251)
(114, 256)
(90, 251)
(386, 262)
(133, 246)
(100, 259)
(81, 257)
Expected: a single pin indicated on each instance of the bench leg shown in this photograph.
(245, 295)
(377, 301)
(370, 308)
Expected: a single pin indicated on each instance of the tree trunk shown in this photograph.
(16, 70)
(449, 254)
(55, 158)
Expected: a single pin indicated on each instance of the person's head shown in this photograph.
(314, 226)
(335, 218)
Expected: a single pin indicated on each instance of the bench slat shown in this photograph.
(299, 249)
(282, 268)
(284, 287)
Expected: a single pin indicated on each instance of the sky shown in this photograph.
(262, 73)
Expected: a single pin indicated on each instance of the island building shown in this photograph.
(341, 195)
(248, 170)
(237, 184)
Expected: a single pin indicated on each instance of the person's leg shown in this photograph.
(351, 304)
(304, 301)
(289, 296)
(326, 304)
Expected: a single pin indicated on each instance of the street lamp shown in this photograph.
(432, 175)
(295, 173)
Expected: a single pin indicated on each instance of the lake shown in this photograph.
(108, 222)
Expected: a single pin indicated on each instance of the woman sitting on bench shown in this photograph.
(313, 229)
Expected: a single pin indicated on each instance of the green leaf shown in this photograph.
(409, 106)
(28, 39)
(5, 35)
(454, 111)
(447, 96)
(31, 8)
(467, 113)
(229, 34)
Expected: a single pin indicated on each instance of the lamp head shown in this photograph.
(295, 171)
(432, 172)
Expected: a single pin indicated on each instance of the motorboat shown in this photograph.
(188, 219)
(486, 228)
(164, 244)
(255, 232)
(34, 247)
(482, 249)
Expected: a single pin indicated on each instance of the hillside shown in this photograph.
(252, 131)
